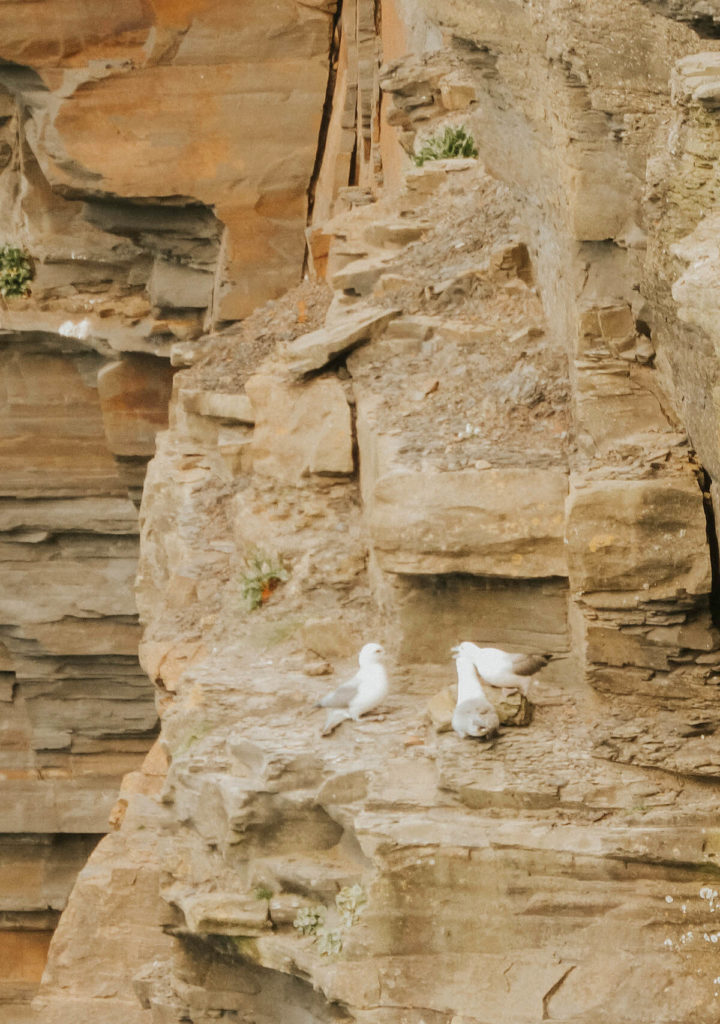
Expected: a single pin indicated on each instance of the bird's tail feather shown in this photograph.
(334, 719)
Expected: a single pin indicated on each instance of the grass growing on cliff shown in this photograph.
(349, 904)
(263, 573)
(454, 142)
(16, 271)
(309, 919)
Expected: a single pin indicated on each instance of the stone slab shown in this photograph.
(317, 349)
(300, 429)
(491, 522)
(218, 404)
(648, 536)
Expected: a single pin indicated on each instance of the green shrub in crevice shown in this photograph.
(262, 574)
(16, 271)
(349, 904)
(454, 142)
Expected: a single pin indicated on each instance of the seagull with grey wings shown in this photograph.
(367, 688)
(500, 668)
(474, 715)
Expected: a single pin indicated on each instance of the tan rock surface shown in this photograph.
(642, 535)
(488, 522)
(314, 351)
(300, 430)
(588, 838)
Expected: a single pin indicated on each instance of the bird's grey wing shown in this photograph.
(341, 697)
(527, 664)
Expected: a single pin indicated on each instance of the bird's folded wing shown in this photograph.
(526, 664)
(341, 697)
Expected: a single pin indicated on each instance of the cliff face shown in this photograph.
(495, 420)
(155, 160)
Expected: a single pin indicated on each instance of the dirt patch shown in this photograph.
(488, 384)
(230, 356)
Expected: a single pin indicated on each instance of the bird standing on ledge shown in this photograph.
(474, 715)
(501, 669)
(367, 688)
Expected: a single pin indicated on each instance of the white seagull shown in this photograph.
(367, 688)
(474, 715)
(499, 668)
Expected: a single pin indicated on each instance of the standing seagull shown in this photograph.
(367, 688)
(474, 715)
(498, 668)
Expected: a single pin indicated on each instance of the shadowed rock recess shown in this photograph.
(356, 399)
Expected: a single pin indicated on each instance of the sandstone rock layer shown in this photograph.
(502, 429)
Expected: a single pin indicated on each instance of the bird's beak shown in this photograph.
(455, 649)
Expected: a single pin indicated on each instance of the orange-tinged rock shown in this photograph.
(53, 441)
(134, 396)
(215, 102)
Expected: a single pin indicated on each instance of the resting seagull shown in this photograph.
(367, 688)
(474, 715)
(499, 668)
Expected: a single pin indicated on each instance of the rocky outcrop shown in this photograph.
(77, 712)
(379, 871)
(150, 205)
(141, 120)
(491, 433)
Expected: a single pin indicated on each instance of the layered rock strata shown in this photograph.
(393, 871)
(492, 436)
(155, 161)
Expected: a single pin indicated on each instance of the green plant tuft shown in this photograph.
(454, 142)
(329, 943)
(263, 893)
(16, 271)
(262, 574)
(350, 902)
(309, 919)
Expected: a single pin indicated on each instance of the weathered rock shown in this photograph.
(52, 424)
(559, 829)
(134, 395)
(174, 73)
(219, 913)
(300, 430)
(173, 285)
(237, 407)
(314, 351)
(359, 276)
(647, 536)
(440, 709)
(490, 522)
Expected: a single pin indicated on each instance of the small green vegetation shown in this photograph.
(454, 142)
(262, 574)
(350, 902)
(329, 943)
(309, 919)
(16, 271)
(263, 893)
(312, 920)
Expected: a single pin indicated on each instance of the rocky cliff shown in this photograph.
(155, 161)
(490, 415)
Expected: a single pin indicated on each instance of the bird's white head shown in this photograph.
(371, 654)
(466, 649)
